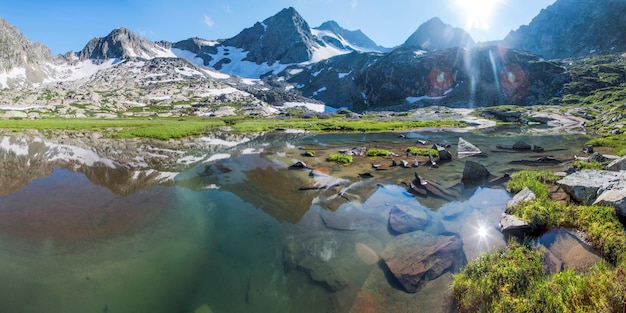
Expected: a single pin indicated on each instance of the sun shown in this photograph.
(477, 12)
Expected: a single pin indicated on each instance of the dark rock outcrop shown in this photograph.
(573, 28)
(474, 173)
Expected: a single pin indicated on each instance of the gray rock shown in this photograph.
(465, 148)
(522, 196)
(474, 173)
(617, 164)
(513, 226)
(418, 257)
(551, 263)
(583, 186)
(520, 145)
(444, 155)
(404, 219)
(614, 195)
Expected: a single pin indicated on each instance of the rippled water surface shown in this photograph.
(84, 229)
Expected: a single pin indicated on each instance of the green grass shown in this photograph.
(588, 165)
(512, 280)
(340, 158)
(335, 124)
(377, 152)
(421, 151)
(617, 142)
(534, 180)
(158, 128)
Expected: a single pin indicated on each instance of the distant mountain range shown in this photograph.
(283, 60)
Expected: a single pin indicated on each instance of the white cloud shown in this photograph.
(208, 21)
(354, 4)
(226, 8)
(144, 33)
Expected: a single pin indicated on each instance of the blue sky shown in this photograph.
(66, 25)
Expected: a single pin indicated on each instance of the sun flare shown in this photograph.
(478, 12)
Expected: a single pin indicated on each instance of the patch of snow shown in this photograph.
(309, 105)
(189, 56)
(190, 159)
(250, 81)
(221, 142)
(317, 73)
(342, 75)
(242, 68)
(295, 71)
(81, 70)
(319, 90)
(212, 187)
(419, 52)
(15, 73)
(289, 87)
(223, 91)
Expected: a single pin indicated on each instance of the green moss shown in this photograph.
(588, 165)
(340, 158)
(310, 152)
(617, 142)
(534, 180)
(421, 151)
(377, 152)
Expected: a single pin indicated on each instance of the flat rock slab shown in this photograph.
(584, 186)
(418, 257)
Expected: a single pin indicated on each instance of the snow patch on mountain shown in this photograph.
(15, 73)
(239, 66)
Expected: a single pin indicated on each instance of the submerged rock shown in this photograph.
(418, 257)
(403, 219)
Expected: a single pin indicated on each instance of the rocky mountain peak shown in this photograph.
(285, 37)
(121, 43)
(18, 52)
(434, 34)
(354, 37)
(573, 28)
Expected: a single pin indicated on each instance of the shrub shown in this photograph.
(421, 151)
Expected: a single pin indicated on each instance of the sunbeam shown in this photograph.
(478, 12)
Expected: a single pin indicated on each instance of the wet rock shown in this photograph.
(551, 263)
(538, 149)
(443, 154)
(320, 171)
(404, 219)
(465, 148)
(567, 247)
(418, 257)
(597, 157)
(520, 145)
(380, 166)
(523, 196)
(588, 149)
(366, 175)
(356, 151)
(452, 210)
(584, 186)
(404, 164)
(474, 173)
(617, 165)
(415, 163)
(366, 254)
(298, 165)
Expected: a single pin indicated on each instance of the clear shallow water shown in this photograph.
(237, 234)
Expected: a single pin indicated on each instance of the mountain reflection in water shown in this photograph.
(231, 228)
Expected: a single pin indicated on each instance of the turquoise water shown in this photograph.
(240, 236)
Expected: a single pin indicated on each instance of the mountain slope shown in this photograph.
(573, 28)
(122, 43)
(22, 62)
(355, 39)
(436, 35)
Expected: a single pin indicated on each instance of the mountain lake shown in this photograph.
(231, 226)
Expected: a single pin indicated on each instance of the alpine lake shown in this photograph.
(225, 224)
